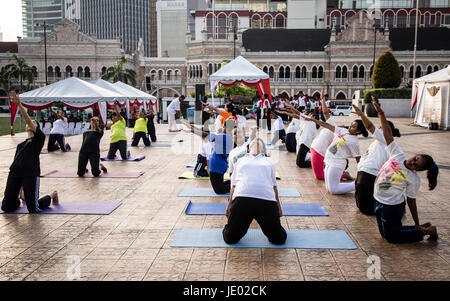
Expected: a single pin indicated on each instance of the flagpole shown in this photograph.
(415, 46)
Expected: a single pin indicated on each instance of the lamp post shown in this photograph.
(375, 27)
(45, 49)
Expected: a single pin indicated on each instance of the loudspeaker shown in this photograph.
(199, 94)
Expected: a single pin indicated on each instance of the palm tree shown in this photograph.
(118, 73)
(19, 70)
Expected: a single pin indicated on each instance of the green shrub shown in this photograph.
(401, 93)
(386, 72)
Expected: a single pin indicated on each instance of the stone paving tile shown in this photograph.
(133, 243)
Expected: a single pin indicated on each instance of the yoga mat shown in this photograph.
(296, 239)
(190, 175)
(191, 164)
(280, 148)
(161, 145)
(209, 192)
(87, 208)
(173, 133)
(73, 150)
(169, 141)
(69, 174)
(131, 159)
(288, 209)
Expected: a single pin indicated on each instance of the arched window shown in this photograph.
(341, 95)
(50, 71)
(281, 72)
(197, 73)
(210, 26)
(177, 74)
(153, 75)
(344, 73)
(190, 72)
(418, 71)
(320, 74)
(265, 70)
(297, 72)
(304, 73)
(222, 26)
(279, 21)
(256, 21)
(210, 69)
(69, 72)
(104, 70)
(80, 71)
(362, 73)
(436, 68)
(169, 75)
(355, 73)
(287, 73)
(402, 71)
(35, 71)
(87, 72)
(314, 73)
(268, 21)
(57, 72)
(271, 72)
(411, 72)
(338, 72)
(160, 75)
(234, 21)
(429, 69)
(201, 71)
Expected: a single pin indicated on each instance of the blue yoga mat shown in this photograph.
(296, 239)
(288, 209)
(209, 192)
(169, 141)
(87, 208)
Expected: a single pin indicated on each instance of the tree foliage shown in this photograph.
(386, 72)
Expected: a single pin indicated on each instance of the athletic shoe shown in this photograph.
(103, 168)
(128, 154)
(68, 148)
(55, 199)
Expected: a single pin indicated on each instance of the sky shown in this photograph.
(11, 19)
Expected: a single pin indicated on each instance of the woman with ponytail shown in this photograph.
(370, 164)
(395, 178)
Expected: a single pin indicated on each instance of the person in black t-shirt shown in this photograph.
(25, 170)
(90, 150)
(151, 125)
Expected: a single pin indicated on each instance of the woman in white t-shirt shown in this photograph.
(56, 139)
(305, 136)
(254, 195)
(279, 130)
(344, 146)
(370, 164)
(397, 178)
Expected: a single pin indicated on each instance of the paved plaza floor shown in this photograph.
(132, 243)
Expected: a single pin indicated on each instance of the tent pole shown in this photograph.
(415, 45)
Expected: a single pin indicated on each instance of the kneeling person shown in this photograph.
(140, 130)
(254, 195)
(90, 150)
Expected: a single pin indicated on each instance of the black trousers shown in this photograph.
(302, 152)
(137, 137)
(301, 109)
(93, 158)
(119, 145)
(151, 130)
(242, 212)
(279, 135)
(30, 186)
(218, 184)
(291, 143)
(364, 192)
(258, 119)
(268, 120)
(56, 138)
(200, 167)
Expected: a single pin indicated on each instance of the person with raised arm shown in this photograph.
(118, 136)
(370, 164)
(396, 179)
(25, 171)
(344, 146)
(56, 139)
(140, 130)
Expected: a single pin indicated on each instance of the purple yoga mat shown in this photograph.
(131, 159)
(94, 208)
(161, 145)
(73, 150)
(69, 174)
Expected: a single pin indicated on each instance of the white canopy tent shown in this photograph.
(141, 97)
(431, 98)
(241, 70)
(73, 93)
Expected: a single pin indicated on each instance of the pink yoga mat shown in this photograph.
(85, 208)
(71, 174)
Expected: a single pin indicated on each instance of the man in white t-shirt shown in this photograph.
(172, 110)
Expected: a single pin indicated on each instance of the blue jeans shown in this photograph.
(389, 219)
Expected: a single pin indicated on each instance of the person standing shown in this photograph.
(151, 125)
(25, 171)
(90, 150)
(301, 101)
(267, 112)
(174, 111)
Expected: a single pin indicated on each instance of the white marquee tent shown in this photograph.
(431, 98)
(73, 93)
